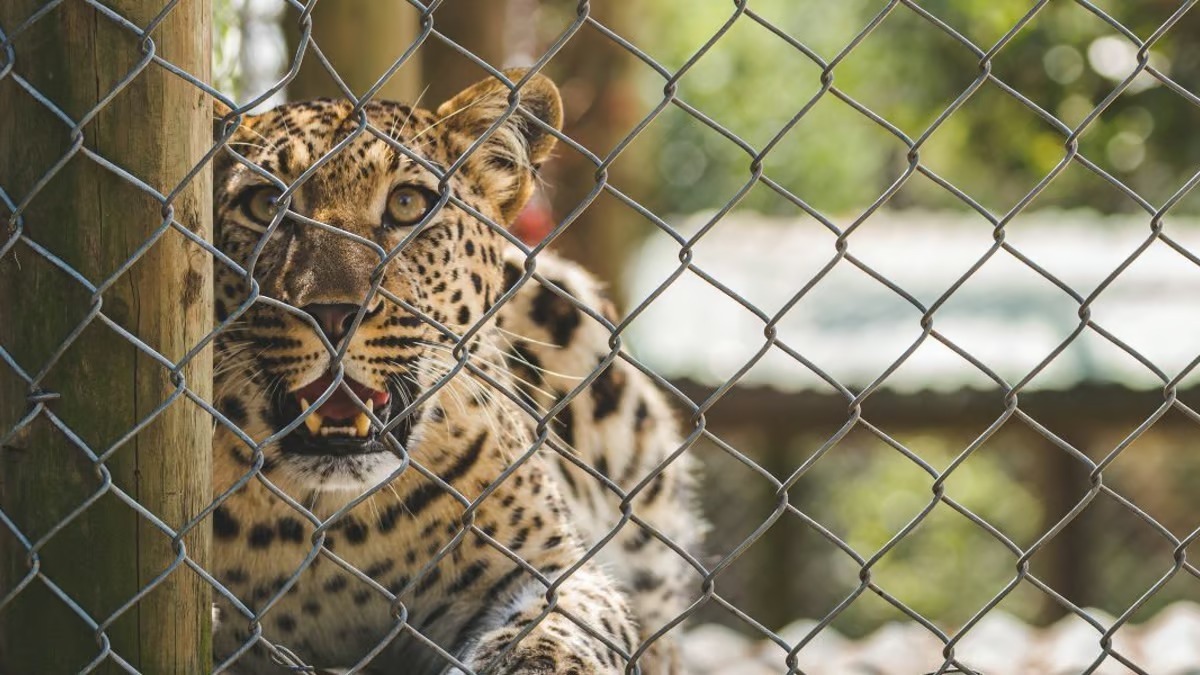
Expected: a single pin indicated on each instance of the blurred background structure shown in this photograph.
(929, 211)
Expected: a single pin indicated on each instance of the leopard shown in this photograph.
(431, 452)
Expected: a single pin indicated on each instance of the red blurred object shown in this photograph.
(535, 221)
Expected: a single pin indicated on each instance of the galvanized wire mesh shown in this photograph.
(41, 403)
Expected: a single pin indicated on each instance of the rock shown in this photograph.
(898, 648)
(1072, 645)
(817, 655)
(1171, 641)
(998, 645)
(712, 648)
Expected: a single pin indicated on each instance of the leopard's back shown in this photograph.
(616, 438)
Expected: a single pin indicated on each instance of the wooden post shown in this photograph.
(361, 39)
(1062, 481)
(157, 128)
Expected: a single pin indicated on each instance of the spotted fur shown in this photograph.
(620, 439)
(456, 535)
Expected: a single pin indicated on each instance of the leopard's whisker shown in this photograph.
(501, 366)
(526, 338)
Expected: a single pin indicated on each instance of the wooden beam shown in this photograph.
(157, 128)
(804, 410)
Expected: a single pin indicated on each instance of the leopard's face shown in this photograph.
(364, 269)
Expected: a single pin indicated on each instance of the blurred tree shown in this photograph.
(598, 80)
(477, 26)
(361, 39)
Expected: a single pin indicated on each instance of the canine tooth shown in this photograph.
(370, 405)
(362, 424)
(313, 422)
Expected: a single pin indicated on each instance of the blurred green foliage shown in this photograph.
(948, 567)
(878, 492)
(227, 18)
(908, 71)
(866, 493)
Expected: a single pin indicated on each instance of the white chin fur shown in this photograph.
(355, 473)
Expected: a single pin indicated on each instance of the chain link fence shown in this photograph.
(48, 376)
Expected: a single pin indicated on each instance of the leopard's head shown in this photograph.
(364, 265)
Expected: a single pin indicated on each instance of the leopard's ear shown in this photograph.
(221, 112)
(223, 161)
(520, 144)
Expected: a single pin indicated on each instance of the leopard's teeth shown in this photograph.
(362, 424)
(313, 421)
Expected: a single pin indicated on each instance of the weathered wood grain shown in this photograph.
(157, 129)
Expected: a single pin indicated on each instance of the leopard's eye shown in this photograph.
(407, 205)
(261, 203)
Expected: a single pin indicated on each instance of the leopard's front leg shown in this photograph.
(589, 632)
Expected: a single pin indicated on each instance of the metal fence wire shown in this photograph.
(20, 241)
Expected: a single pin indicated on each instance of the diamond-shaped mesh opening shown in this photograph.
(1148, 449)
(915, 108)
(830, 131)
(1125, 138)
(1030, 144)
(794, 81)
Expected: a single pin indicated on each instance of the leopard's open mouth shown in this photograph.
(340, 425)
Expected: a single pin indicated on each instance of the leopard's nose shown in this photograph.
(333, 319)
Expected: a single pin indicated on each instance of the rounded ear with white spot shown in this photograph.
(515, 150)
